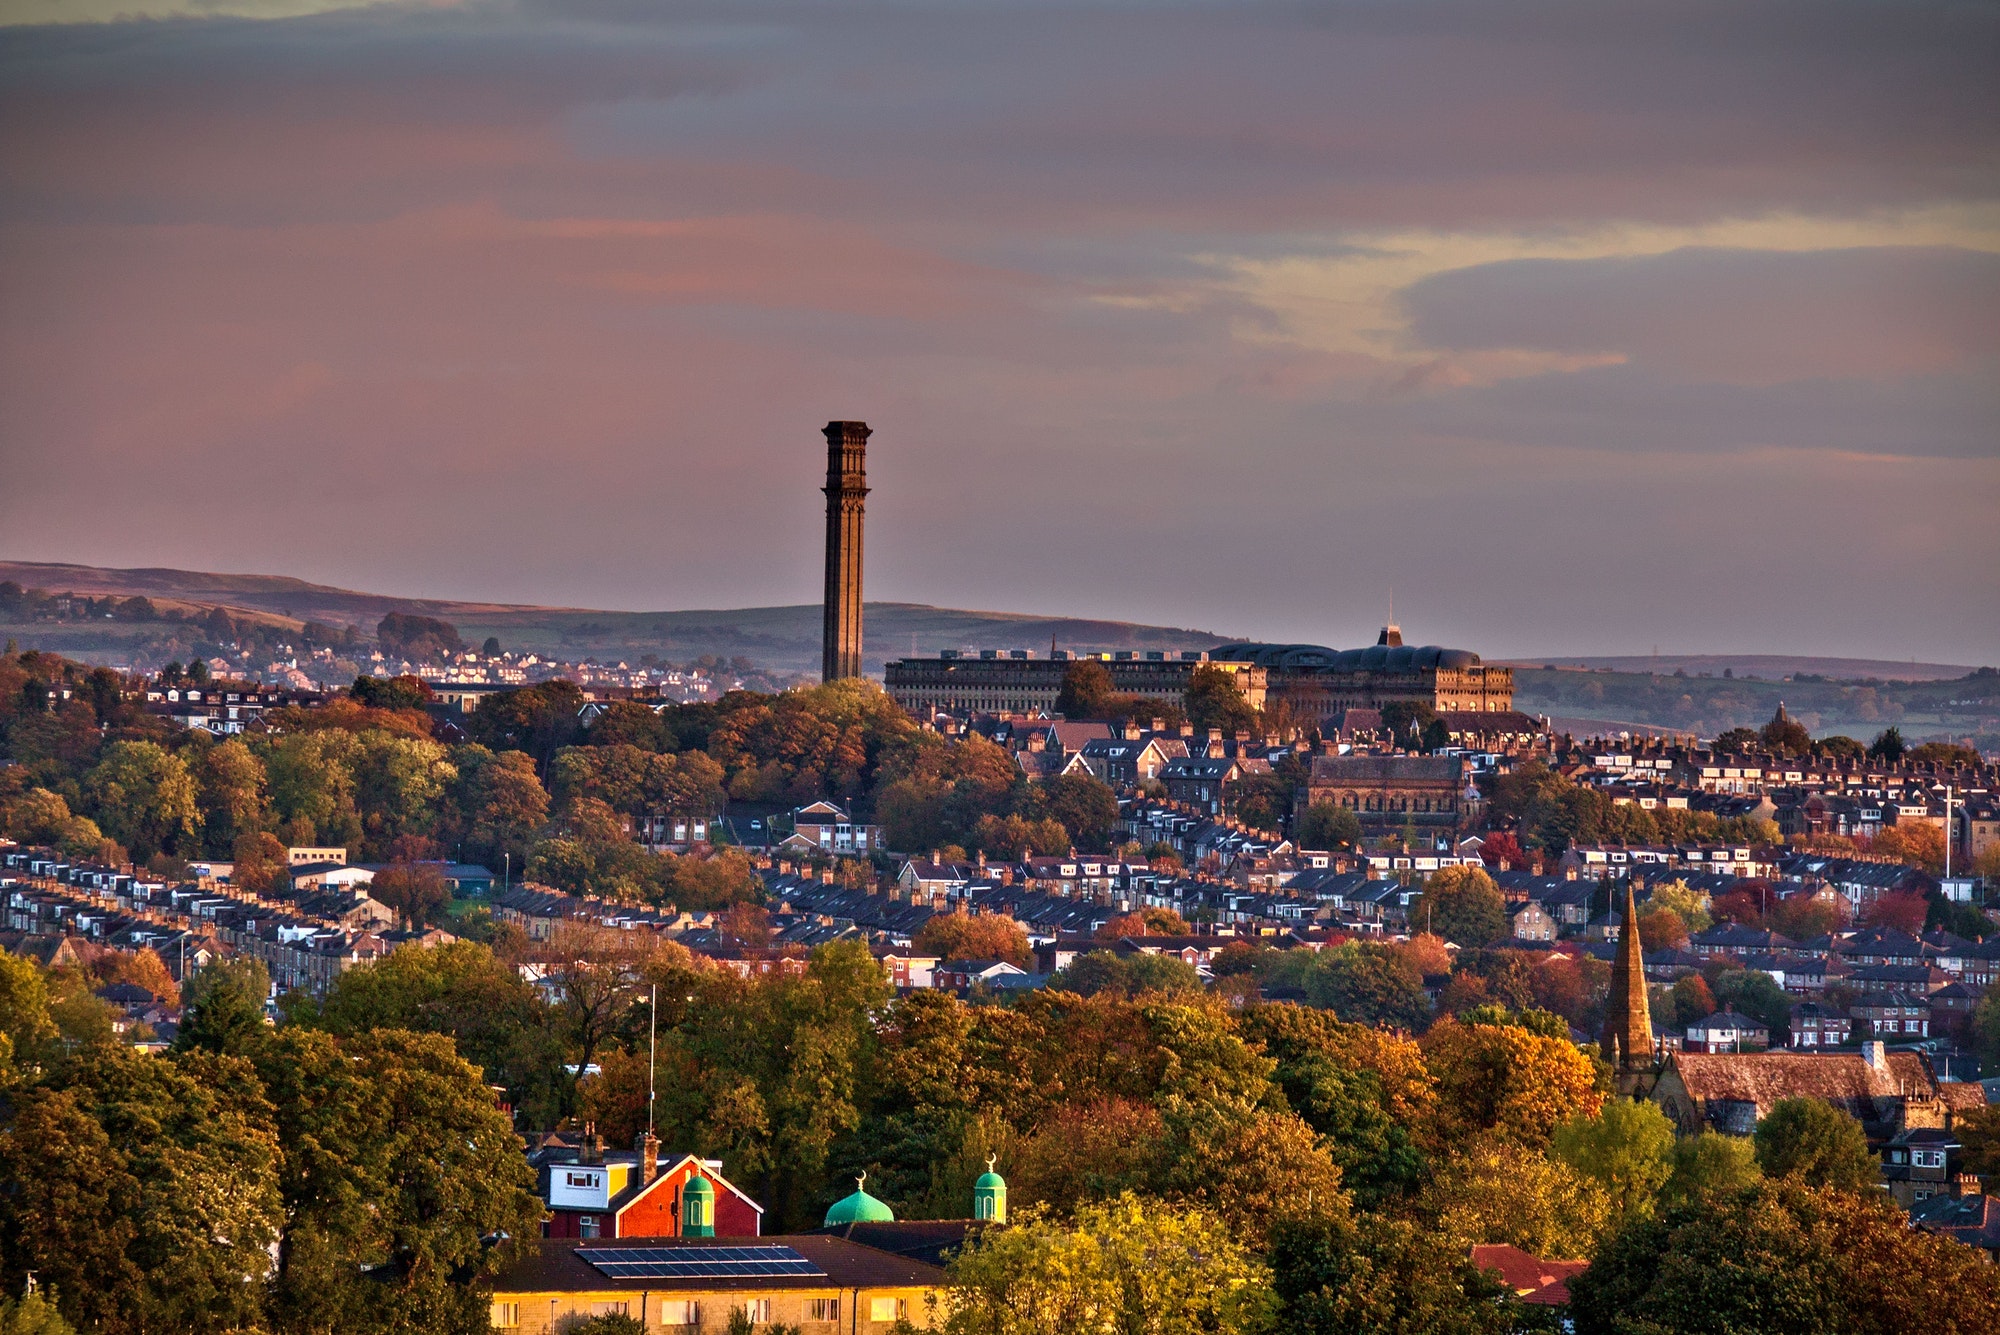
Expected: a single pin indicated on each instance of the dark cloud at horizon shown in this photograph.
(1584, 328)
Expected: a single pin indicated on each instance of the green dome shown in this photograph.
(990, 1181)
(860, 1208)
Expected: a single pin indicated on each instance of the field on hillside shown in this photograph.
(1968, 706)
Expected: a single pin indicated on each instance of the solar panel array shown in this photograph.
(699, 1262)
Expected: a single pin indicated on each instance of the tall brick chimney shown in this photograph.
(846, 492)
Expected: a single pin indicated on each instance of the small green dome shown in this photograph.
(860, 1208)
(990, 1181)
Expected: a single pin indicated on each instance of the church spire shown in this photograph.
(1628, 1018)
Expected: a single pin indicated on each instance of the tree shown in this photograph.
(504, 804)
(1785, 736)
(1736, 741)
(416, 892)
(1508, 1081)
(1410, 722)
(144, 1193)
(1498, 1192)
(230, 785)
(1711, 1166)
(1816, 1143)
(1887, 746)
(405, 635)
(144, 798)
(1627, 1149)
(1379, 1273)
(1086, 690)
(1919, 843)
(1087, 808)
(224, 1008)
(1899, 910)
(1368, 985)
(1125, 1265)
(1212, 700)
(1757, 994)
(396, 1164)
(1689, 905)
(1782, 1259)
(1463, 905)
(1126, 975)
(1324, 826)
(1691, 1000)
(404, 692)
(32, 1315)
(1661, 927)
(263, 863)
(968, 936)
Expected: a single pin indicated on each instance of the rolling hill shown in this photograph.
(785, 639)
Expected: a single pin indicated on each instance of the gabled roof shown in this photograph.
(1844, 1079)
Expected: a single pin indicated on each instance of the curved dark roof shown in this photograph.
(1375, 658)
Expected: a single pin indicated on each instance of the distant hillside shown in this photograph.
(785, 639)
(1769, 667)
(1966, 706)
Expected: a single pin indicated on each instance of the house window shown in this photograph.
(611, 1309)
(586, 1226)
(822, 1309)
(888, 1309)
(1928, 1158)
(680, 1312)
(506, 1316)
(758, 1310)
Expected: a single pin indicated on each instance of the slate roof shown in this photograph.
(558, 1265)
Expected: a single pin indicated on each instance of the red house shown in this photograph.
(636, 1193)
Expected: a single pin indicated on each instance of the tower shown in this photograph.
(846, 490)
(697, 1207)
(989, 1195)
(1628, 1017)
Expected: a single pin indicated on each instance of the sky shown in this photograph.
(1565, 327)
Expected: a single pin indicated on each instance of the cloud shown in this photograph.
(1224, 314)
(1740, 317)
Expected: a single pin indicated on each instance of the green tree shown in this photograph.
(1086, 690)
(1087, 808)
(1888, 746)
(493, 1017)
(502, 801)
(1126, 975)
(1379, 1273)
(1817, 1143)
(1462, 905)
(1689, 905)
(404, 692)
(396, 1164)
(1368, 985)
(1126, 1265)
(1325, 826)
(223, 1008)
(1213, 701)
(1711, 1165)
(1783, 1259)
(230, 786)
(1627, 1149)
(144, 798)
(25, 1023)
(32, 1315)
